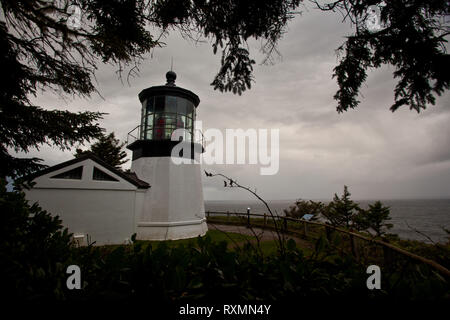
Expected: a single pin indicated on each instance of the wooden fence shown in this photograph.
(360, 245)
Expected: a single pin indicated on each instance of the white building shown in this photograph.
(100, 203)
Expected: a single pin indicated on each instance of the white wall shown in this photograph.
(104, 210)
(107, 216)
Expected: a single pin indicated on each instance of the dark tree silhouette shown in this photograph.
(108, 149)
(411, 38)
(375, 218)
(342, 210)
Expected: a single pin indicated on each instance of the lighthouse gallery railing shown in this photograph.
(135, 135)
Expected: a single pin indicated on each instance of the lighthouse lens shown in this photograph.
(162, 115)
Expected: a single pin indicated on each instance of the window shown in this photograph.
(71, 174)
(159, 103)
(150, 120)
(181, 106)
(149, 104)
(171, 104)
(163, 114)
(149, 134)
(97, 174)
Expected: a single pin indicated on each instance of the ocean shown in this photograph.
(428, 216)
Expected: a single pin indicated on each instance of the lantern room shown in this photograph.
(167, 108)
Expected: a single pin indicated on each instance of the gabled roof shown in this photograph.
(131, 177)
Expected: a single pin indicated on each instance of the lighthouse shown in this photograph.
(173, 208)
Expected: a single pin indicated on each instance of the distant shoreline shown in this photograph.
(428, 216)
(326, 200)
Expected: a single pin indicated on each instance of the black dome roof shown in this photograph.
(169, 89)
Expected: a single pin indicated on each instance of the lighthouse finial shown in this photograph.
(171, 76)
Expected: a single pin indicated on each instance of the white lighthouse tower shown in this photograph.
(173, 207)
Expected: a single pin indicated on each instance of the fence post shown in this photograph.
(228, 215)
(265, 219)
(305, 231)
(248, 217)
(354, 246)
(388, 255)
(284, 224)
(328, 233)
(207, 214)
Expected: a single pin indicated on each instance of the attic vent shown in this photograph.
(71, 174)
(100, 175)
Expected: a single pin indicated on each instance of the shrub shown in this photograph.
(35, 251)
(303, 207)
(34, 248)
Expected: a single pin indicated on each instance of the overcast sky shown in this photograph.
(377, 153)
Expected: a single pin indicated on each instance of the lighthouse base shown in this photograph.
(173, 207)
(171, 230)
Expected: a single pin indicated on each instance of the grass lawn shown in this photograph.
(215, 235)
(268, 246)
(231, 238)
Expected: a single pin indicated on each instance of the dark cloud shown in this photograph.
(377, 153)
